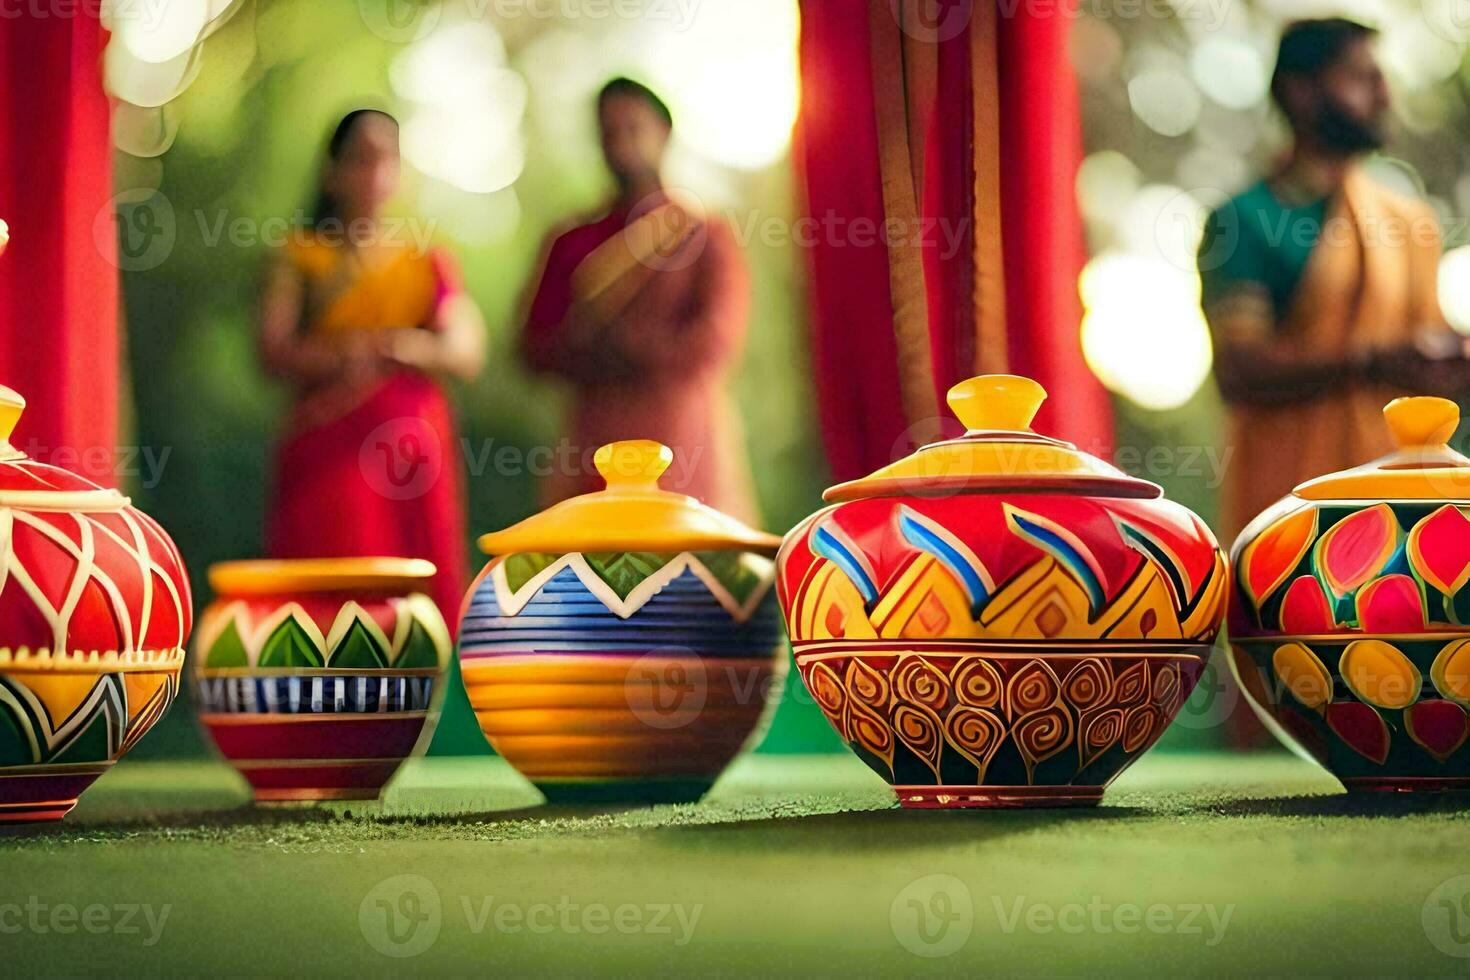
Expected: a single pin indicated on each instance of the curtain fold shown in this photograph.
(854, 351)
(58, 276)
(952, 127)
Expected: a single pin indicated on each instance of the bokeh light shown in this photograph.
(160, 30)
(465, 106)
(1143, 334)
(1164, 100)
(732, 79)
(1230, 71)
(1454, 287)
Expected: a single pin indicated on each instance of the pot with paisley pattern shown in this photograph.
(1350, 619)
(1000, 619)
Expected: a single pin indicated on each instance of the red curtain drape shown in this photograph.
(953, 128)
(58, 276)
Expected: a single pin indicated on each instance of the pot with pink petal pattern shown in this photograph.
(1350, 616)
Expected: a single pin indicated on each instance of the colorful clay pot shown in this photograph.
(317, 678)
(94, 614)
(1350, 620)
(624, 644)
(999, 619)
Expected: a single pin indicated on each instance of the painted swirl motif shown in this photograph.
(866, 684)
(827, 690)
(1167, 685)
(1099, 731)
(1138, 728)
(1042, 734)
(978, 683)
(868, 689)
(1131, 686)
(919, 729)
(975, 734)
(926, 706)
(919, 682)
(1088, 685)
(1031, 689)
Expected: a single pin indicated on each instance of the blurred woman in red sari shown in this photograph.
(362, 320)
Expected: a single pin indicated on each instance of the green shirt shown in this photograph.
(1254, 238)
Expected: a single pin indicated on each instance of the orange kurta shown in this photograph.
(1369, 283)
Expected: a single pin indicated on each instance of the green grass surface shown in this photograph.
(795, 863)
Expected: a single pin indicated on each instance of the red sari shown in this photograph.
(668, 320)
(373, 469)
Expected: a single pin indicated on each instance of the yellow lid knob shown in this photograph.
(11, 407)
(997, 402)
(633, 464)
(1422, 421)
(633, 514)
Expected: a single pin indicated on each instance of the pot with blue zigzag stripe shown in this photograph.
(625, 644)
(999, 619)
(317, 678)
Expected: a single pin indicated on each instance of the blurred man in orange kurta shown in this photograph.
(1319, 283)
(644, 312)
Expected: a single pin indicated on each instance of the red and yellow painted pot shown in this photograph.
(1350, 620)
(1000, 620)
(624, 645)
(94, 614)
(317, 678)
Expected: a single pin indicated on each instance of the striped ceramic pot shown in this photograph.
(316, 679)
(626, 644)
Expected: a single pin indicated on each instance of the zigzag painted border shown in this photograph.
(24, 658)
(512, 602)
(108, 697)
(416, 608)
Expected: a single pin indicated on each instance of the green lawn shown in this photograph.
(1195, 864)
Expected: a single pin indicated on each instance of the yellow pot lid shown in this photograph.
(284, 576)
(631, 514)
(1424, 467)
(998, 451)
